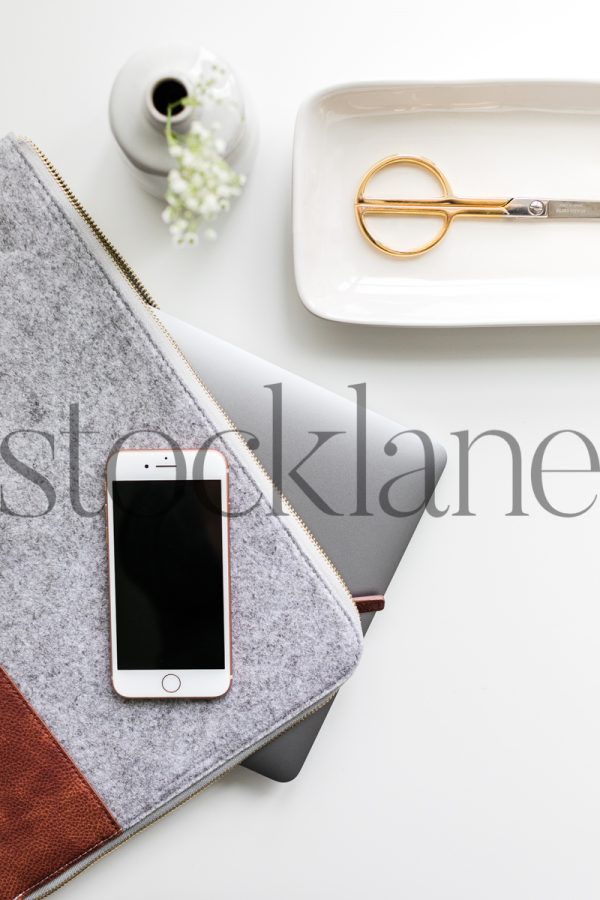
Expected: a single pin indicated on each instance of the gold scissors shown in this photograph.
(448, 207)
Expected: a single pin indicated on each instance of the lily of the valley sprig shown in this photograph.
(201, 183)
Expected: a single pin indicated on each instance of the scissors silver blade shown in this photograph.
(553, 209)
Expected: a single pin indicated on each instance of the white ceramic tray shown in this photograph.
(500, 139)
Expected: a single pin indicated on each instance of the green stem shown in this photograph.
(185, 101)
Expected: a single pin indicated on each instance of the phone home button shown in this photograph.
(171, 683)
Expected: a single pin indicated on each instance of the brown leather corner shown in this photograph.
(50, 816)
(372, 603)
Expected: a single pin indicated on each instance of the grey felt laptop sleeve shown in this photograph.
(83, 363)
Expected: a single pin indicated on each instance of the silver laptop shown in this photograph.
(359, 480)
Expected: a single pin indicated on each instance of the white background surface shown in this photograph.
(462, 761)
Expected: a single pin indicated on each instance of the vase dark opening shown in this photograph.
(169, 91)
(166, 93)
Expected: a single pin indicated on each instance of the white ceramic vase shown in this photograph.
(152, 79)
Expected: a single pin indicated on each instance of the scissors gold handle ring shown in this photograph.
(447, 207)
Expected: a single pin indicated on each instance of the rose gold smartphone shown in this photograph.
(168, 557)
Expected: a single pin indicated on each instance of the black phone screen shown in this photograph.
(168, 558)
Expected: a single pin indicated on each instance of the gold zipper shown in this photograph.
(145, 296)
(130, 276)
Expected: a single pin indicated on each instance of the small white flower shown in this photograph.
(192, 203)
(177, 182)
